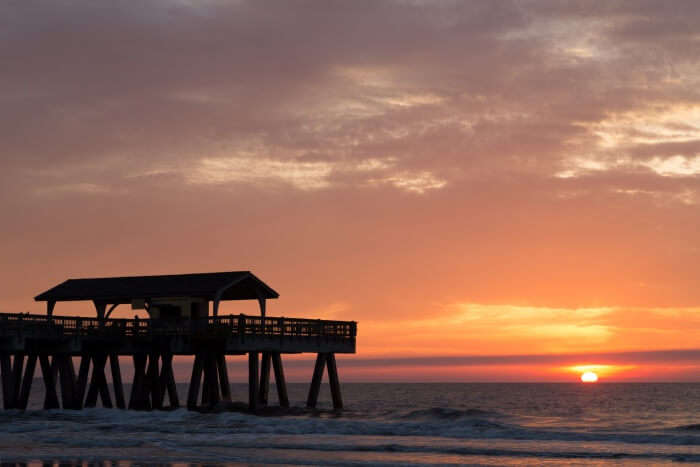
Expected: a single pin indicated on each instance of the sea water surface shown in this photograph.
(383, 424)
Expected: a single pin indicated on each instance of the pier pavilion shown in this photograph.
(183, 319)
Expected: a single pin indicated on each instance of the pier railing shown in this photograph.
(53, 326)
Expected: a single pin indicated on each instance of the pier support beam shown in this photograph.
(7, 381)
(117, 381)
(167, 381)
(316, 381)
(98, 383)
(50, 396)
(333, 381)
(252, 381)
(195, 381)
(153, 378)
(27, 382)
(223, 377)
(210, 391)
(264, 392)
(67, 380)
(137, 399)
(12, 367)
(81, 385)
(208, 371)
(152, 386)
(280, 382)
(17, 369)
(322, 360)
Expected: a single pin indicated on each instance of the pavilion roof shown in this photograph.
(234, 285)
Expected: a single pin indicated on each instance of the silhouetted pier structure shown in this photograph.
(179, 324)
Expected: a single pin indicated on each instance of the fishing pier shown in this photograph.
(182, 319)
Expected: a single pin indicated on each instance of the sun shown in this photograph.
(589, 377)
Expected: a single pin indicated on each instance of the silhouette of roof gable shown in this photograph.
(236, 285)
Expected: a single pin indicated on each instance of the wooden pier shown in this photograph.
(179, 324)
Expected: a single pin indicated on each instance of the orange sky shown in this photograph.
(492, 179)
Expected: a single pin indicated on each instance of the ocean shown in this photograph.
(600, 424)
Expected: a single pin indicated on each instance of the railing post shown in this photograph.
(319, 331)
(241, 327)
(281, 324)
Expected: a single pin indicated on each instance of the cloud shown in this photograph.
(302, 175)
(391, 156)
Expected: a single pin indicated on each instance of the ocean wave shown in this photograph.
(471, 424)
(446, 413)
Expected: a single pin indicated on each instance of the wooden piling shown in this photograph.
(54, 368)
(280, 381)
(264, 378)
(334, 381)
(117, 381)
(92, 392)
(204, 402)
(47, 373)
(223, 377)
(27, 382)
(102, 381)
(167, 378)
(195, 381)
(81, 384)
(7, 381)
(98, 382)
(316, 381)
(252, 381)
(17, 369)
(67, 381)
(211, 379)
(153, 382)
(137, 399)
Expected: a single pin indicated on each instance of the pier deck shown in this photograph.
(233, 334)
(54, 341)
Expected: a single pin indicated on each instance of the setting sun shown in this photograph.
(589, 377)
